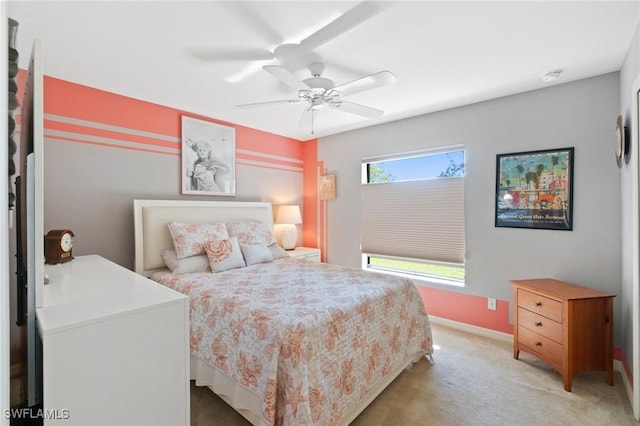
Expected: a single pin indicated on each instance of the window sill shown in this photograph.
(419, 279)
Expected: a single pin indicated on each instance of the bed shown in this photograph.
(286, 341)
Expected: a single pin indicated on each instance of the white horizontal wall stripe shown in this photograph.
(126, 130)
(277, 166)
(118, 142)
(58, 135)
(272, 156)
(101, 126)
(151, 149)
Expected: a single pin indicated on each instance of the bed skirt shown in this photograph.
(244, 402)
(249, 405)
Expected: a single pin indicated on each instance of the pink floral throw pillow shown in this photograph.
(189, 239)
(224, 254)
(252, 232)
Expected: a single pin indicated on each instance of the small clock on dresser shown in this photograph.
(58, 246)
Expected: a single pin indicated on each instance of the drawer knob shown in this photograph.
(538, 303)
(538, 343)
(538, 324)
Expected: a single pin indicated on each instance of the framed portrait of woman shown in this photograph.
(208, 158)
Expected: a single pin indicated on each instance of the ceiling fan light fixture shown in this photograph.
(316, 104)
(318, 92)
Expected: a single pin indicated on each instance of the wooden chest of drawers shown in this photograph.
(568, 326)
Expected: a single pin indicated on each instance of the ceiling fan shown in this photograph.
(294, 56)
(318, 92)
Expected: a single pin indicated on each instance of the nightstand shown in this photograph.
(568, 326)
(312, 254)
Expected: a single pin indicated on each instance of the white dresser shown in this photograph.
(115, 347)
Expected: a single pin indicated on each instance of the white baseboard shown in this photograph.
(474, 329)
(619, 367)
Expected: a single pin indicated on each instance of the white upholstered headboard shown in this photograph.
(151, 217)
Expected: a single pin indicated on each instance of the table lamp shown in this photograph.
(289, 216)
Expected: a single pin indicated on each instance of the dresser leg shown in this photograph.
(568, 381)
(609, 376)
(516, 353)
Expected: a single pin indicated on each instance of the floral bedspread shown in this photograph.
(311, 339)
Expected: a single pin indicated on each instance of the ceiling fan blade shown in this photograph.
(261, 104)
(357, 109)
(372, 81)
(284, 75)
(257, 22)
(340, 25)
(208, 54)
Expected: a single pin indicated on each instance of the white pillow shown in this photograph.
(277, 252)
(256, 253)
(224, 254)
(189, 239)
(251, 232)
(198, 263)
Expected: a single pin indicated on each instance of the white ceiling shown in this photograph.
(444, 54)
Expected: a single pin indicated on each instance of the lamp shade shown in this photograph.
(289, 215)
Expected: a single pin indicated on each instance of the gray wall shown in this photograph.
(91, 189)
(629, 74)
(581, 114)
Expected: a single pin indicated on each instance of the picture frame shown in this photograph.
(208, 158)
(534, 189)
(327, 187)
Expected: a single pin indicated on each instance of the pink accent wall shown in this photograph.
(618, 354)
(467, 309)
(109, 108)
(311, 229)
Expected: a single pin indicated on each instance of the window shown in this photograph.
(413, 215)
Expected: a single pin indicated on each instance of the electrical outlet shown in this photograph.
(491, 304)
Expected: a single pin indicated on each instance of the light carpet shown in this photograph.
(474, 380)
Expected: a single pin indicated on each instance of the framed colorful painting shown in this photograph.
(534, 189)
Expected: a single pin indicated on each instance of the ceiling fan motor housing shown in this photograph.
(319, 83)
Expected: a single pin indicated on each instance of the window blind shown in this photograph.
(421, 219)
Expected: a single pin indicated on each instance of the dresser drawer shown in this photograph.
(541, 305)
(539, 324)
(548, 350)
